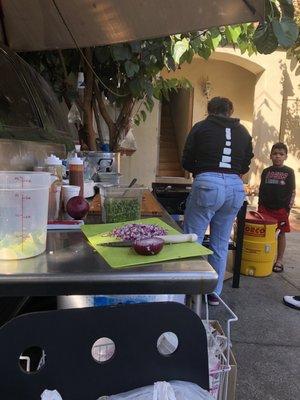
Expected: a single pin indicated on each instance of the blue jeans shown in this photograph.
(215, 200)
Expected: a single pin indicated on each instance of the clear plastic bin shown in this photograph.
(120, 203)
(23, 213)
(110, 177)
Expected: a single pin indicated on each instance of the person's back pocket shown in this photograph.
(207, 196)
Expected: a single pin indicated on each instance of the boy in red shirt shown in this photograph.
(277, 195)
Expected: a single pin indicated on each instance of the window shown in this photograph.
(16, 109)
(50, 102)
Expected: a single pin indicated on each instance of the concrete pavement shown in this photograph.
(266, 339)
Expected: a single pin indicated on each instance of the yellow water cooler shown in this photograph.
(260, 245)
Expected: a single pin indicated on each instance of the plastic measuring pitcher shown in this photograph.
(23, 213)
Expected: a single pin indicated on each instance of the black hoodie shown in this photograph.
(218, 144)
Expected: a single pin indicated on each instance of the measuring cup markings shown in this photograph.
(22, 215)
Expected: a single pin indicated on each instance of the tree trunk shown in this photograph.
(97, 119)
(123, 121)
(112, 128)
(115, 128)
(87, 102)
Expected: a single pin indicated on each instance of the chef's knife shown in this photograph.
(168, 239)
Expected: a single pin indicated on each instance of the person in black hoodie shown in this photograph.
(218, 151)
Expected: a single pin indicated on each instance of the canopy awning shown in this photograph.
(38, 24)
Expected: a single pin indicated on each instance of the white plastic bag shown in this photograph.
(128, 145)
(174, 390)
(163, 391)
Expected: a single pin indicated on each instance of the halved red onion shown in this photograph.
(148, 246)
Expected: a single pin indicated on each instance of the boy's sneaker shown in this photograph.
(213, 300)
(292, 301)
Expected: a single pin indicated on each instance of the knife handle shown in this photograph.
(187, 237)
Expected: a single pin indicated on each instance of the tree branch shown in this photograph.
(107, 118)
(97, 119)
(87, 102)
(125, 111)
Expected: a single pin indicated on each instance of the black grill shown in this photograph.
(172, 196)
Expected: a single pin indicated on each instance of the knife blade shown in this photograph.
(168, 239)
(125, 243)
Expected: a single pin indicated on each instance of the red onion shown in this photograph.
(138, 231)
(148, 246)
(77, 207)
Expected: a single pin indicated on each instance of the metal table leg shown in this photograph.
(239, 245)
(197, 304)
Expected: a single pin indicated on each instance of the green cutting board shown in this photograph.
(119, 257)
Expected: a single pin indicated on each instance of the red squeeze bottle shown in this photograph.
(76, 173)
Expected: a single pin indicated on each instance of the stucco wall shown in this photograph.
(276, 108)
(260, 87)
(143, 163)
(226, 79)
(290, 124)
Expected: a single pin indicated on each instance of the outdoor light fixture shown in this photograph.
(206, 87)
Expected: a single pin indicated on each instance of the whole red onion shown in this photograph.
(148, 246)
(77, 207)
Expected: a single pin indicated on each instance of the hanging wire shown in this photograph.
(83, 55)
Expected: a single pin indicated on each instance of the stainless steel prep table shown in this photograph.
(71, 266)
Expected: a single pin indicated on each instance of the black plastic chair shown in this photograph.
(67, 337)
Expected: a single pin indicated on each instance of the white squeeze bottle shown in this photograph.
(76, 172)
(54, 166)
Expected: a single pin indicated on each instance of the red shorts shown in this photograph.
(281, 215)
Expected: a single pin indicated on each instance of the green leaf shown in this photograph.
(251, 50)
(243, 46)
(149, 104)
(102, 54)
(216, 41)
(271, 10)
(196, 44)
(287, 8)
(135, 47)
(265, 39)
(137, 120)
(187, 56)
(135, 88)
(180, 48)
(157, 92)
(286, 32)
(143, 115)
(121, 52)
(131, 68)
(214, 32)
(148, 89)
(233, 33)
(205, 51)
(260, 31)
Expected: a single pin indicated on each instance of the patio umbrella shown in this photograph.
(30, 25)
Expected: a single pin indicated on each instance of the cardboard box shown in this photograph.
(230, 260)
(232, 376)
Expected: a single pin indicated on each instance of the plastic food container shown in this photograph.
(23, 213)
(120, 203)
(110, 177)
